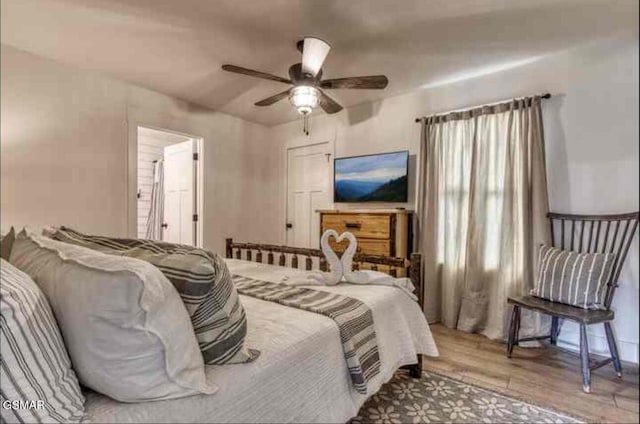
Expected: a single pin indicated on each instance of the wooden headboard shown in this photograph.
(290, 256)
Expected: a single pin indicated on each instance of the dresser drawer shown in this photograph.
(360, 225)
(365, 246)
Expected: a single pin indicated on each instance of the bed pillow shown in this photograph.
(577, 279)
(203, 281)
(125, 327)
(6, 244)
(35, 370)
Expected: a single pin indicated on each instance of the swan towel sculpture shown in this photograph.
(341, 269)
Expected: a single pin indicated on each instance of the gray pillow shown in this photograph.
(202, 280)
(35, 367)
(125, 327)
(578, 279)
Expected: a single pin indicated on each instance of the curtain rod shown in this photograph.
(542, 96)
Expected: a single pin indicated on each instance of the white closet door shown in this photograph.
(308, 189)
(179, 193)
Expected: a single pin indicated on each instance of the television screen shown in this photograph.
(371, 178)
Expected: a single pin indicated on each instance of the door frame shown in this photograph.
(296, 145)
(132, 179)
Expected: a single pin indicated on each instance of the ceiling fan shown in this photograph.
(306, 78)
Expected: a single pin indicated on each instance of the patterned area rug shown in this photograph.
(435, 398)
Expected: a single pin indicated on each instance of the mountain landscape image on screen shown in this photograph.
(375, 178)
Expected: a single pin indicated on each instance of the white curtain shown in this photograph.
(481, 210)
(156, 212)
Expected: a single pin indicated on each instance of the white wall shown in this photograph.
(64, 157)
(591, 131)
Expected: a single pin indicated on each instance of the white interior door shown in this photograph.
(179, 193)
(308, 189)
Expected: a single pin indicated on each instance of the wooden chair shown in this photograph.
(582, 233)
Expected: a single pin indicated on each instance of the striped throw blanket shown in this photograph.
(354, 320)
(201, 278)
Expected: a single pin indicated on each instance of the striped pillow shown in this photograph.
(203, 281)
(578, 279)
(6, 243)
(36, 380)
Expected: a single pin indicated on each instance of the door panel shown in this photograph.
(179, 193)
(301, 213)
(171, 216)
(308, 188)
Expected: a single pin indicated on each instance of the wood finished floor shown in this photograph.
(544, 376)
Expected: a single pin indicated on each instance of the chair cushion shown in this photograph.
(572, 278)
(202, 280)
(35, 368)
(561, 310)
(124, 325)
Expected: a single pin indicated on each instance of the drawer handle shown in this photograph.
(353, 225)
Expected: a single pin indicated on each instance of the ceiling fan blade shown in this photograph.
(328, 104)
(314, 52)
(371, 82)
(252, 73)
(271, 100)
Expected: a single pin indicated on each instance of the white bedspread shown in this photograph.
(301, 374)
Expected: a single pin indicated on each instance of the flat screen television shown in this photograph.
(371, 178)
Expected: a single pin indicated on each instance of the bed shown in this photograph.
(301, 374)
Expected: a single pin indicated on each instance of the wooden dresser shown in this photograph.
(379, 232)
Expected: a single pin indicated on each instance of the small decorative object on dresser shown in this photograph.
(385, 232)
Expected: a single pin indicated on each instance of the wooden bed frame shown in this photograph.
(290, 256)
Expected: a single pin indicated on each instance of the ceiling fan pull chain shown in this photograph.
(305, 124)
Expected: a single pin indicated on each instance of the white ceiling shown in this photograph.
(177, 46)
(165, 138)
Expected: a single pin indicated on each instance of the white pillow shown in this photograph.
(126, 329)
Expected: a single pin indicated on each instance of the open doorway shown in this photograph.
(169, 188)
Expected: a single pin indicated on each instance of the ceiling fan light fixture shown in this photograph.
(308, 88)
(304, 98)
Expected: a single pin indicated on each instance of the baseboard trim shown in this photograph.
(598, 346)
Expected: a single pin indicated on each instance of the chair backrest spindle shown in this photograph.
(615, 237)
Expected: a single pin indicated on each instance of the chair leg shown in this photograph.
(613, 348)
(512, 331)
(584, 359)
(555, 330)
(516, 340)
